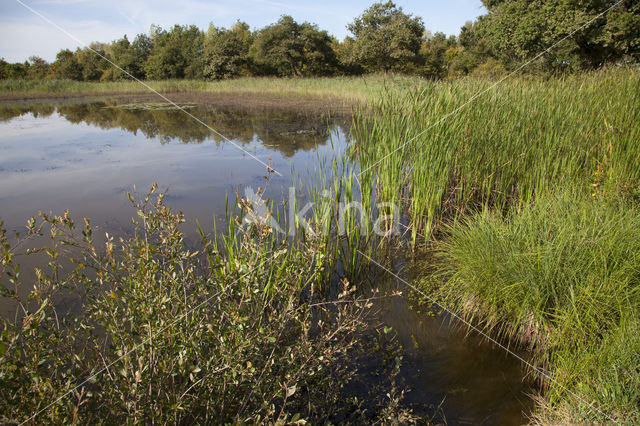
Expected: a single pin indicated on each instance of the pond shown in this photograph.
(85, 157)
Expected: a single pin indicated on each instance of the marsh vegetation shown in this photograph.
(493, 219)
(528, 199)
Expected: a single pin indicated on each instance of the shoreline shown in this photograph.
(245, 101)
(349, 89)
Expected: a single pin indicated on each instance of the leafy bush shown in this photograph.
(231, 333)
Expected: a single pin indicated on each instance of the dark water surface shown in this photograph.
(85, 157)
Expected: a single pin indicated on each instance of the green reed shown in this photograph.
(513, 142)
(339, 216)
(529, 192)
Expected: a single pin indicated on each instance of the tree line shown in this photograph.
(382, 39)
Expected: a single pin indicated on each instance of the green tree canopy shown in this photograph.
(436, 53)
(140, 50)
(176, 53)
(125, 55)
(94, 67)
(16, 70)
(287, 48)
(471, 52)
(386, 38)
(37, 68)
(66, 66)
(226, 52)
(517, 30)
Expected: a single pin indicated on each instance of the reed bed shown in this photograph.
(529, 196)
(440, 157)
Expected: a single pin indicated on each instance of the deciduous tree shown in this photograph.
(176, 53)
(386, 38)
(226, 52)
(434, 53)
(520, 29)
(37, 68)
(287, 48)
(66, 66)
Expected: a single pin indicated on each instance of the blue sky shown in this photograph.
(23, 34)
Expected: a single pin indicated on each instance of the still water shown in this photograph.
(85, 157)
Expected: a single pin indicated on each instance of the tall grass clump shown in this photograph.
(442, 156)
(230, 333)
(340, 214)
(560, 276)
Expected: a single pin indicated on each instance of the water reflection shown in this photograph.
(85, 156)
(281, 130)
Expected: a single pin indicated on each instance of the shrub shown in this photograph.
(230, 333)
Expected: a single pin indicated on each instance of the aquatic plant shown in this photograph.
(442, 153)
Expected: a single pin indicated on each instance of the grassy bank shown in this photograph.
(562, 277)
(349, 89)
